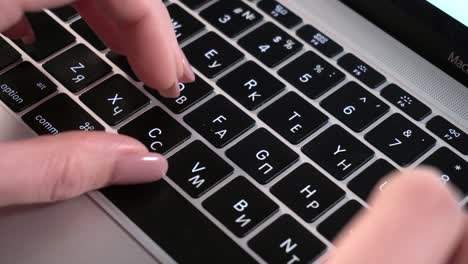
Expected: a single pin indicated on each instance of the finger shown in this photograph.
(21, 30)
(415, 220)
(461, 254)
(50, 168)
(147, 38)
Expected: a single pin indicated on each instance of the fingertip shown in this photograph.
(135, 168)
(172, 92)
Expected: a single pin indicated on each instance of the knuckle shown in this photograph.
(68, 179)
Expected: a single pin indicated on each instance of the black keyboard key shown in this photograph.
(240, 206)
(262, 156)
(185, 25)
(335, 223)
(231, 17)
(194, 4)
(60, 114)
(451, 134)
(23, 86)
(293, 117)
(174, 224)
(280, 13)
(190, 94)
(270, 44)
(82, 28)
(65, 13)
(321, 42)
(312, 75)
(308, 192)
(287, 241)
(366, 181)
(122, 62)
(400, 140)
(50, 37)
(212, 55)
(196, 169)
(251, 85)
(115, 99)
(361, 70)
(406, 102)
(454, 169)
(9, 55)
(77, 68)
(355, 106)
(219, 121)
(338, 152)
(157, 130)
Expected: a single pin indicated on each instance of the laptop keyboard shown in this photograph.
(272, 150)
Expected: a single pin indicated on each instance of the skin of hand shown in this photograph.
(67, 165)
(416, 219)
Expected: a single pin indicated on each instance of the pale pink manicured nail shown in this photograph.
(139, 168)
(172, 92)
(189, 75)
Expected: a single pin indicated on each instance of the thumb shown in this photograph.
(48, 169)
(415, 220)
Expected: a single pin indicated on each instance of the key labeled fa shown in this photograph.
(196, 169)
(240, 206)
(219, 121)
(231, 17)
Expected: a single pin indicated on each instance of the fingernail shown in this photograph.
(172, 92)
(189, 75)
(28, 39)
(134, 168)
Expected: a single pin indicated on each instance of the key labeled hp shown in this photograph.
(308, 192)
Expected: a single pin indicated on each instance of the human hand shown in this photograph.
(49, 169)
(416, 220)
